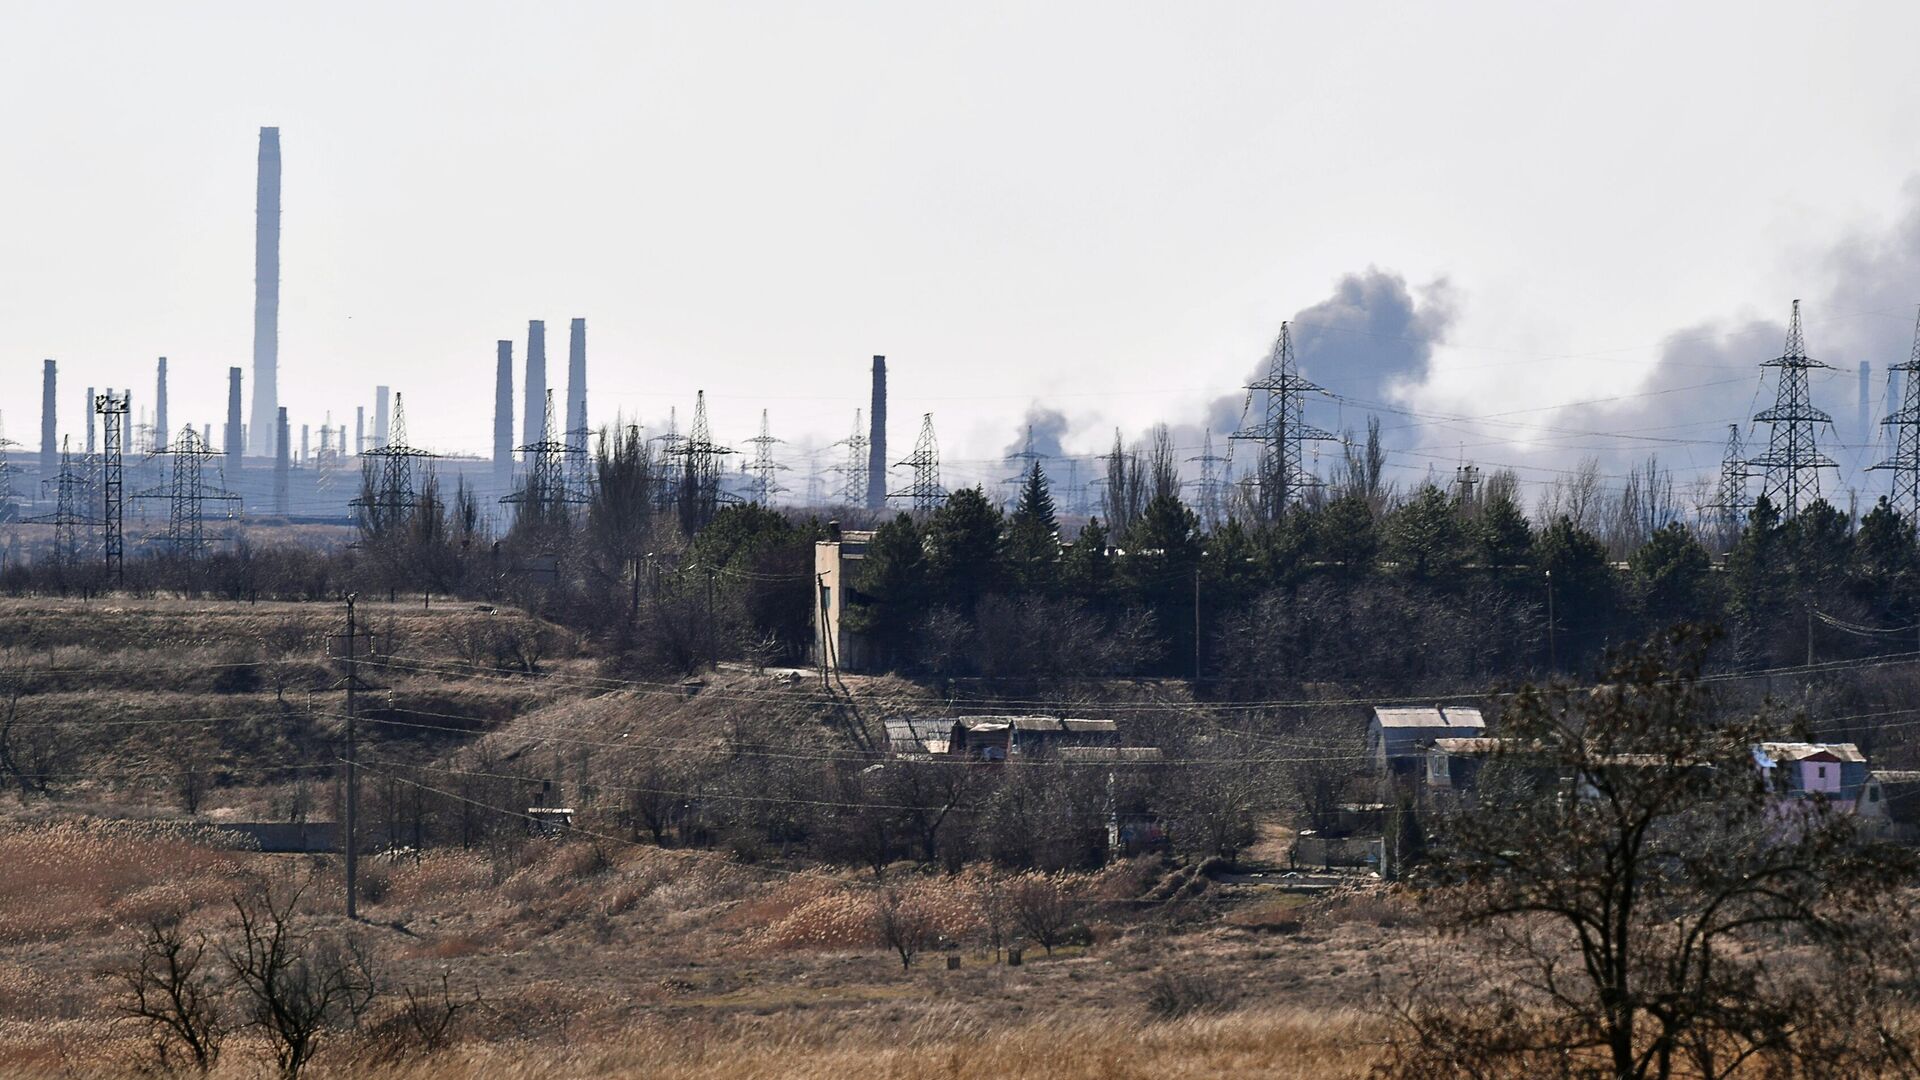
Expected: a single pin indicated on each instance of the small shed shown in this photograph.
(1400, 735)
(918, 736)
(549, 820)
(1798, 770)
(996, 738)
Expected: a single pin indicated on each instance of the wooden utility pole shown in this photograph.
(1553, 657)
(351, 846)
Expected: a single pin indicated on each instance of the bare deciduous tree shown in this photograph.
(298, 983)
(178, 1003)
(1650, 906)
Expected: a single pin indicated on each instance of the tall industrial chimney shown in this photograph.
(359, 429)
(90, 435)
(577, 384)
(877, 438)
(236, 437)
(303, 443)
(266, 293)
(380, 396)
(281, 500)
(49, 421)
(534, 419)
(503, 415)
(160, 409)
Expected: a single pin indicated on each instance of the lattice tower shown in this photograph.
(1282, 429)
(853, 488)
(72, 495)
(925, 463)
(762, 469)
(112, 409)
(188, 493)
(551, 464)
(698, 491)
(1211, 488)
(1793, 461)
(1904, 463)
(393, 493)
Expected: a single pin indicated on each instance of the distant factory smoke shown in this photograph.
(1048, 427)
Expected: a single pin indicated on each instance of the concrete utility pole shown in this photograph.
(348, 842)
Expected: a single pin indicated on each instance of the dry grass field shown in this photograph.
(600, 954)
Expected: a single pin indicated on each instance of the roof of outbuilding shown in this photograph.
(1800, 751)
(1032, 723)
(1428, 716)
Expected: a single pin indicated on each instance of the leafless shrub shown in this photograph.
(168, 992)
(903, 924)
(1043, 907)
(298, 983)
(1173, 994)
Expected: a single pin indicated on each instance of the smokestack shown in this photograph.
(280, 440)
(535, 417)
(90, 418)
(206, 434)
(359, 429)
(49, 420)
(303, 444)
(877, 438)
(266, 293)
(380, 396)
(236, 436)
(503, 414)
(160, 409)
(577, 383)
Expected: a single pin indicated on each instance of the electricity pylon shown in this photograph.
(925, 463)
(1905, 422)
(1283, 427)
(762, 468)
(187, 494)
(853, 488)
(1793, 461)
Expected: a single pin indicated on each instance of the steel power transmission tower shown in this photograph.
(187, 494)
(112, 409)
(761, 468)
(853, 490)
(547, 492)
(1027, 457)
(1210, 484)
(392, 497)
(1905, 421)
(9, 498)
(698, 490)
(1282, 428)
(71, 491)
(925, 463)
(1792, 461)
(1730, 500)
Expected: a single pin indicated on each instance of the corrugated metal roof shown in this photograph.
(1428, 716)
(919, 735)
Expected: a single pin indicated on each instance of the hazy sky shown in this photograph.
(1101, 208)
